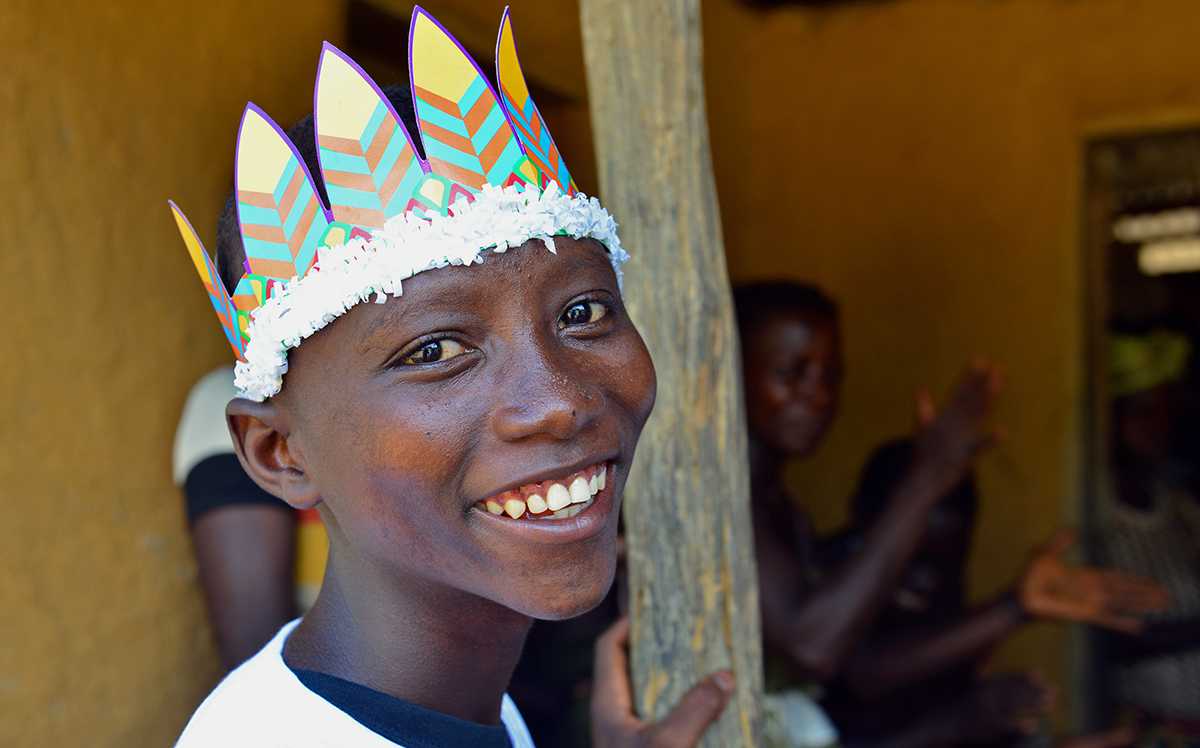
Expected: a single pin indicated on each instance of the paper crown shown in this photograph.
(492, 179)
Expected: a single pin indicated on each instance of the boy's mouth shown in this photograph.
(558, 498)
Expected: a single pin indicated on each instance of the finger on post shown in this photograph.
(700, 707)
(611, 690)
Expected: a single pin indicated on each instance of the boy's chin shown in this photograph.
(572, 608)
(560, 599)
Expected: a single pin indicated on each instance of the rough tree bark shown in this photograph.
(693, 592)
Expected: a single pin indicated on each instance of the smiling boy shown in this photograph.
(464, 433)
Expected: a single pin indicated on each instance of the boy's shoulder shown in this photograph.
(263, 703)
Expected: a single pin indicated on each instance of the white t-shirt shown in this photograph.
(265, 705)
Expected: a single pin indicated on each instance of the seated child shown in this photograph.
(915, 677)
(819, 614)
(464, 433)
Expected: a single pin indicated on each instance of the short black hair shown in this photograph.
(755, 302)
(231, 255)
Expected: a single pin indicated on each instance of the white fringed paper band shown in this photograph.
(344, 276)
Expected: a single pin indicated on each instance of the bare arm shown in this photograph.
(819, 627)
(879, 668)
(1048, 588)
(245, 557)
(995, 711)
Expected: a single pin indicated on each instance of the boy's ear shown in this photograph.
(261, 437)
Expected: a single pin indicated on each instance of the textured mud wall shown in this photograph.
(106, 110)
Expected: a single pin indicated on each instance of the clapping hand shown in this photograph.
(1050, 588)
(948, 442)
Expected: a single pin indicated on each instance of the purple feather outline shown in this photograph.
(506, 18)
(217, 282)
(327, 47)
(412, 28)
(252, 107)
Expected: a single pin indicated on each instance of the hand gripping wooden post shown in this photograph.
(693, 591)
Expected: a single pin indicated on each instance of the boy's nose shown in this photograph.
(818, 388)
(816, 393)
(820, 397)
(546, 401)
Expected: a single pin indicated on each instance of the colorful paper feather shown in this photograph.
(523, 112)
(281, 216)
(466, 134)
(370, 168)
(217, 294)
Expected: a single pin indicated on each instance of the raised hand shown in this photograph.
(614, 724)
(1050, 588)
(948, 442)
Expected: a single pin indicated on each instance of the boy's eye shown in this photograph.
(433, 351)
(582, 313)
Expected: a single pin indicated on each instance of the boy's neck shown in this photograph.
(766, 470)
(398, 642)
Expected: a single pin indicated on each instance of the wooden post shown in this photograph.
(693, 591)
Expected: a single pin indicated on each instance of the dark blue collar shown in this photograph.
(400, 721)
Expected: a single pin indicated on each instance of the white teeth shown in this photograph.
(570, 511)
(514, 508)
(557, 497)
(560, 500)
(579, 491)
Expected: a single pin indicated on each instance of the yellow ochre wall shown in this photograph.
(922, 160)
(106, 110)
(919, 158)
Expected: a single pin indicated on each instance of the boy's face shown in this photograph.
(793, 375)
(478, 384)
